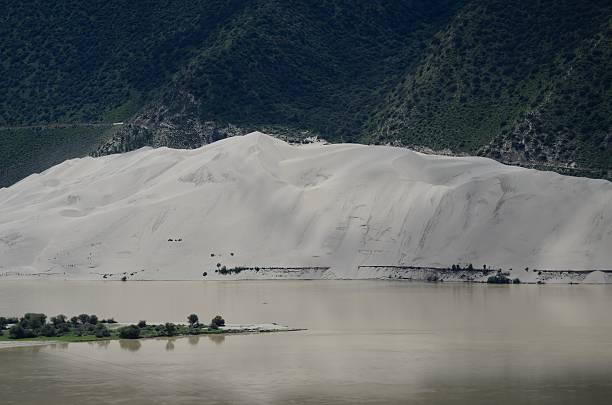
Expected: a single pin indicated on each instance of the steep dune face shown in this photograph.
(257, 201)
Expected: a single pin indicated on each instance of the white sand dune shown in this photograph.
(257, 201)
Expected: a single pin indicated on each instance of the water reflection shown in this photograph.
(170, 344)
(218, 339)
(130, 345)
(103, 344)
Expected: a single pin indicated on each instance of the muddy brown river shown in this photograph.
(375, 342)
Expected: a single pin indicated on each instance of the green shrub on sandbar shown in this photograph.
(498, 279)
(129, 332)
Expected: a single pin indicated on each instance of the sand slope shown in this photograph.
(273, 204)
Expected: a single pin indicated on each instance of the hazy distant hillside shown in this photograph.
(525, 81)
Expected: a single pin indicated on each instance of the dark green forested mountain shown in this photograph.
(526, 82)
(75, 61)
(529, 83)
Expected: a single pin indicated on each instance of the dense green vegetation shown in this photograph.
(317, 65)
(32, 150)
(36, 326)
(500, 279)
(537, 77)
(527, 82)
(93, 61)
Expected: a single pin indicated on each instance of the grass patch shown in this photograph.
(32, 150)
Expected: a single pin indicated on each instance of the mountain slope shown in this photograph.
(257, 201)
(72, 61)
(525, 82)
(528, 84)
(279, 65)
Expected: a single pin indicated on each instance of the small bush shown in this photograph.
(102, 331)
(498, 279)
(48, 330)
(142, 324)
(88, 329)
(7, 321)
(170, 329)
(216, 322)
(516, 281)
(129, 332)
(17, 332)
(33, 320)
(58, 320)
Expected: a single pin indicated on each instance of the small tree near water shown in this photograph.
(33, 320)
(216, 322)
(58, 320)
(193, 319)
(17, 332)
(170, 329)
(48, 330)
(129, 332)
(102, 331)
(498, 279)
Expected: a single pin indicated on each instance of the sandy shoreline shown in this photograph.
(384, 273)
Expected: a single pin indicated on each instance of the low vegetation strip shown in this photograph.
(84, 328)
(223, 270)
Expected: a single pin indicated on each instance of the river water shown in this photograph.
(372, 342)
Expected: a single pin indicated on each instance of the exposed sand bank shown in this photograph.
(164, 214)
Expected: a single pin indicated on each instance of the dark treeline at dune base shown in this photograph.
(523, 82)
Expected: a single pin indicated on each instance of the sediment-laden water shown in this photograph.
(367, 342)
